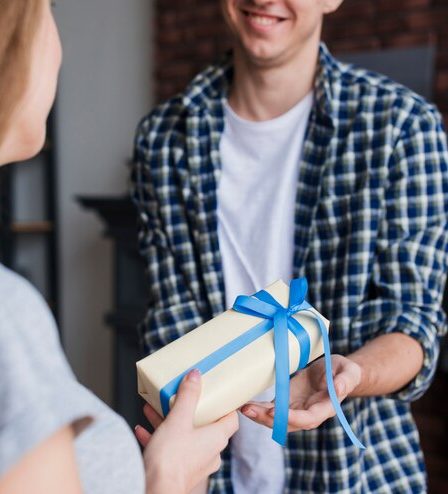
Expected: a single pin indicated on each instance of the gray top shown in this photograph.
(39, 395)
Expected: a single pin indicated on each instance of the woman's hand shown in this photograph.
(310, 404)
(178, 455)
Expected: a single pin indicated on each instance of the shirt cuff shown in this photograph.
(425, 333)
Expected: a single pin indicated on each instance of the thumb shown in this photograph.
(340, 386)
(187, 396)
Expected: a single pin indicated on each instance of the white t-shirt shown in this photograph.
(256, 204)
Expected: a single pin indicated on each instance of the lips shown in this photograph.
(262, 19)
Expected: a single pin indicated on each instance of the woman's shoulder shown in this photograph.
(23, 310)
(16, 291)
(30, 348)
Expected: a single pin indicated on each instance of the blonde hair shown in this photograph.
(19, 22)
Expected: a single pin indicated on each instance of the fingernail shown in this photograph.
(250, 412)
(136, 428)
(194, 376)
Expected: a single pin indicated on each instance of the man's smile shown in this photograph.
(261, 19)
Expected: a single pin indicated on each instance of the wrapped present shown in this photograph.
(242, 352)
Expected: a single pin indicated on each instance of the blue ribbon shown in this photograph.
(279, 318)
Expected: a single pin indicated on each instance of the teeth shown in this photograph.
(264, 21)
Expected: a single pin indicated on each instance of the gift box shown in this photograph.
(242, 352)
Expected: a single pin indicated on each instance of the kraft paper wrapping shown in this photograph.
(240, 377)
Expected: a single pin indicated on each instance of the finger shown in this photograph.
(311, 417)
(259, 414)
(187, 397)
(229, 424)
(346, 380)
(349, 369)
(302, 420)
(153, 417)
(297, 419)
(217, 434)
(142, 435)
(254, 407)
(266, 404)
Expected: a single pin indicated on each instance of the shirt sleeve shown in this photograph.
(38, 392)
(172, 311)
(409, 271)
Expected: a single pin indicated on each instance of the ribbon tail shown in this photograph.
(331, 389)
(280, 427)
(303, 340)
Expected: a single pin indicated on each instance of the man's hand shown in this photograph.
(178, 456)
(310, 404)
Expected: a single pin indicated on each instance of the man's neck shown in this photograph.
(262, 93)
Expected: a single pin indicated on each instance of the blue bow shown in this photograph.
(279, 318)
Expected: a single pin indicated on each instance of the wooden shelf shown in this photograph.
(32, 227)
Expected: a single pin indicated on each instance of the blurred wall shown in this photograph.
(105, 88)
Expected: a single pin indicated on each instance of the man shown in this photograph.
(283, 162)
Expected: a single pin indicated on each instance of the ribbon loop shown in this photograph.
(268, 298)
(254, 307)
(298, 289)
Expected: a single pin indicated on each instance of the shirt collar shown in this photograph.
(212, 85)
(328, 78)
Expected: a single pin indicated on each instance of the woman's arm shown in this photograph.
(50, 468)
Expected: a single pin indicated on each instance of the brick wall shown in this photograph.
(375, 24)
(191, 33)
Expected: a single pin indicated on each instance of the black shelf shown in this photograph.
(130, 299)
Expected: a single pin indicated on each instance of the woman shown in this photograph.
(55, 436)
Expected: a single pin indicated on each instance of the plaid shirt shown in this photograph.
(370, 236)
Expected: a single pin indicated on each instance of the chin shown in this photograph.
(33, 142)
(262, 55)
(22, 145)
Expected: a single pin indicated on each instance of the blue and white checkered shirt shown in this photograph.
(370, 235)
